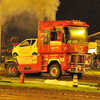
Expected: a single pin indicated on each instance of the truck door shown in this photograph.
(56, 41)
(45, 41)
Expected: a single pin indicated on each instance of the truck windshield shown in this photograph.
(75, 34)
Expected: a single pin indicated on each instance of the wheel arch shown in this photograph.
(9, 61)
(52, 62)
(35, 53)
(15, 53)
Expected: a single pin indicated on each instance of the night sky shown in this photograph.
(84, 10)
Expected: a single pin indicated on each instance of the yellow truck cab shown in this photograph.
(27, 47)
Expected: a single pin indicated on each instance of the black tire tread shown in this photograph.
(7, 69)
(59, 71)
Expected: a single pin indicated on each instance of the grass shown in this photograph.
(28, 83)
(86, 83)
(18, 78)
(10, 81)
(49, 86)
(42, 80)
(94, 72)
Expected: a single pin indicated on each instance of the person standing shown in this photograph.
(98, 60)
(93, 59)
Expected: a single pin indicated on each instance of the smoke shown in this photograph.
(23, 25)
(21, 16)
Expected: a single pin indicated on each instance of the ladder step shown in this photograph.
(44, 65)
(44, 60)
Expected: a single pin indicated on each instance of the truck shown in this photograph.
(62, 48)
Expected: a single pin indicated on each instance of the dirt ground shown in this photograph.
(21, 93)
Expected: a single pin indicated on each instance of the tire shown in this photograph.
(79, 75)
(55, 71)
(12, 69)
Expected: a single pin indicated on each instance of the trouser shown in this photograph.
(98, 64)
(93, 63)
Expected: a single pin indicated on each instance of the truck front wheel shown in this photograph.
(55, 71)
(12, 69)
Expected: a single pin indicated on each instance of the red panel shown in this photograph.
(55, 49)
(39, 63)
(44, 48)
(27, 68)
(65, 65)
(74, 48)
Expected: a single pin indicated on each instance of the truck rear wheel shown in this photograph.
(55, 71)
(12, 69)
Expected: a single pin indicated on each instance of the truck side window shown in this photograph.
(26, 43)
(65, 34)
(33, 41)
(53, 36)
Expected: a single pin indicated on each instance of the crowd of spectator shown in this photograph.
(95, 60)
(6, 52)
